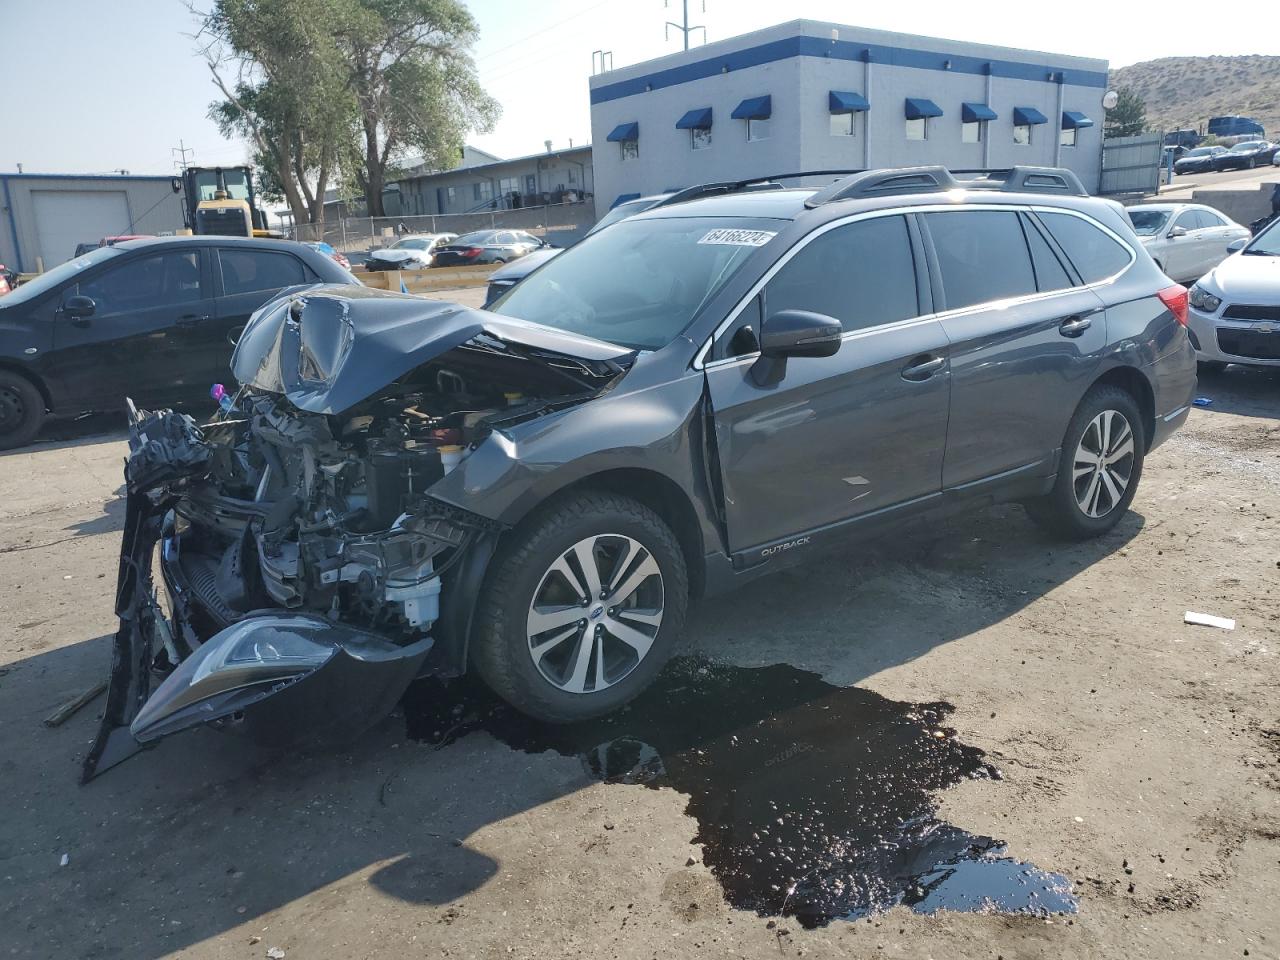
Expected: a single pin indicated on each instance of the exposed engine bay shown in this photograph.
(297, 540)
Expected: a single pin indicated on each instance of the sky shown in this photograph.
(91, 86)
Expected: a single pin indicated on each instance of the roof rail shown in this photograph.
(935, 179)
(769, 182)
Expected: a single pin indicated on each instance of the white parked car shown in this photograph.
(1186, 240)
(413, 252)
(1234, 314)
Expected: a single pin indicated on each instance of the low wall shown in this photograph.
(1242, 206)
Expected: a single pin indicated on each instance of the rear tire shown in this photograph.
(22, 410)
(1099, 469)
(560, 656)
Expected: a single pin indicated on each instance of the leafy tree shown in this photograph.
(1128, 117)
(290, 96)
(410, 69)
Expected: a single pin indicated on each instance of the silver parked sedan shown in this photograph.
(1186, 240)
(487, 246)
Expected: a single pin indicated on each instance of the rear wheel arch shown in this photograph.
(1135, 383)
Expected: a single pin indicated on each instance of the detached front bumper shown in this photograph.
(291, 676)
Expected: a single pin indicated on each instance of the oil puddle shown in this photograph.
(812, 800)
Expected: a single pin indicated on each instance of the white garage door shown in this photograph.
(66, 218)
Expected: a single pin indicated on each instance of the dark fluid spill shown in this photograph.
(812, 800)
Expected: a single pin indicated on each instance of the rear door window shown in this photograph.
(982, 255)
(1188, 220)
(1095, 254)
(862, 273)
(1208, 221)
(251, 271)
(1050, 273)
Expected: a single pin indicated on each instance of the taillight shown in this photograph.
(1175, 298)
(473, 251)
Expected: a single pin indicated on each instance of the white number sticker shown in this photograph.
(739, 238)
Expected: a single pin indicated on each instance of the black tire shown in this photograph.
(1060, 512)
(500, 648)
(1210, 367)
(22, 410)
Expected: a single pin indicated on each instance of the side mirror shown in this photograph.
(794, 333)
(79, 307)
(1177, 232)
(1235, 246)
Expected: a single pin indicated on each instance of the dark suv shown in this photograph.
(678, 404)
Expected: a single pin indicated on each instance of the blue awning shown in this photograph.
(975, 112)
(624, 131)
(623, 198)
(699, 119)
(918, 108)
(841, 101)
(1073, 120)
(754, 108)
(1028, 116)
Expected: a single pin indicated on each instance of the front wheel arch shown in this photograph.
(32, 378)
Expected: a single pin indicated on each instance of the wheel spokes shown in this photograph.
(1097, 469)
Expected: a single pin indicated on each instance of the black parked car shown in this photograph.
(1199, 160)
(1246, 155)
(145, 318)
(677, 404)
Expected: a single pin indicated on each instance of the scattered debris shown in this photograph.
(275, 953)
(1202, 401)
(66, 858)
(64, 712)
(1209, 620)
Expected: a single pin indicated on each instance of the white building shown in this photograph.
(806, 95)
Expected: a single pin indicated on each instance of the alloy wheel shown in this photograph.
(1103, 464)
(595, 613)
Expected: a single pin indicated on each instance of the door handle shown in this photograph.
(1074, 326)
(191, 319)
(922, 368)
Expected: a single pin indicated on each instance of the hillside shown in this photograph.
(1184, 92)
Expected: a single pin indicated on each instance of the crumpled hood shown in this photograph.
(328, 347)
(1245, 278)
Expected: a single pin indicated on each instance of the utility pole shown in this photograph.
(684, 27)
(180, 152)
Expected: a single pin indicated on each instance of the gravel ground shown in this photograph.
(1141, 756)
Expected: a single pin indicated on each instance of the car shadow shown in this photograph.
(208, 832)
(1246, 391)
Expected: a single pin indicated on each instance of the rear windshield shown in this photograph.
(62, 272)
(640, 282)
(483, 236)
(1147, 223)
(1200, 152)
(1243, 147)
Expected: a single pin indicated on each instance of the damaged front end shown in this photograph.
(303, 559)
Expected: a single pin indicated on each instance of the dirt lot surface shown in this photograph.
(1140, 756)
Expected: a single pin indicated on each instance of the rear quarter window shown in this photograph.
(1095, 254)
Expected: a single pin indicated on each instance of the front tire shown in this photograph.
(21, 410)
(1101, 464)
(581, 608)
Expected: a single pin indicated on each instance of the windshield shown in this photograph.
(1147, 223)
(237, 184)
(1245, 147)
(483, 237)
(62, 272)
(1265, 244)
(1200, 152)
(412, 243)
(639, 283)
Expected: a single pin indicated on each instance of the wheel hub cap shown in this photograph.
(595, 613)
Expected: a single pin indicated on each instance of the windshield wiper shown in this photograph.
(1260, 253)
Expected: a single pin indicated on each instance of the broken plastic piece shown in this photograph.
(1202, 401)
(1209, 620)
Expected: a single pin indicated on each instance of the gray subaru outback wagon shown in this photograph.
(685, 400)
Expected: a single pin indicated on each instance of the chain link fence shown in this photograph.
(562, 223)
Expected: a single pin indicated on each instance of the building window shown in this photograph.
(572, 174)
(918, 128)
(482, 190)
(453, 195)
(508, 186)
(758, 128)
(1022, 133)
(971, 131)
(1067, 137)
(700, 138)
(630, 149)
(842, 124)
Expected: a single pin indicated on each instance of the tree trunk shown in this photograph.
(375, 170)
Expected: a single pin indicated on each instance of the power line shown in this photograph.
(180, 161)
(536, 33)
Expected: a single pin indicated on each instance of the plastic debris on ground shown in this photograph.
(1209, 620)
(1202, 401)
